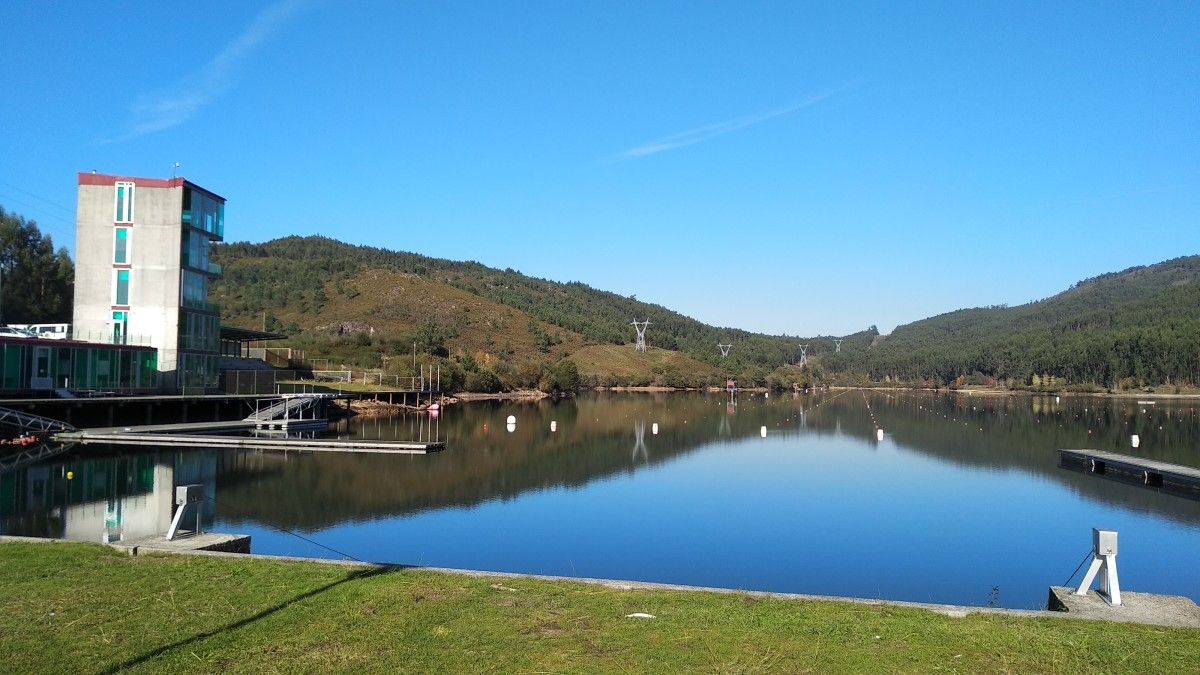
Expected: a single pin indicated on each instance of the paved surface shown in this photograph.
(1158, 610)
(205, 541)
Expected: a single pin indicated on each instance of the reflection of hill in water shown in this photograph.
(596, 439)
(1024, 435)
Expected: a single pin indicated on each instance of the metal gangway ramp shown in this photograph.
(30, 422)
(291, 407)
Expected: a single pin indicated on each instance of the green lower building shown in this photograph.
(31, 366)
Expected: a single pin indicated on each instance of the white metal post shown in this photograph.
(1104, 562)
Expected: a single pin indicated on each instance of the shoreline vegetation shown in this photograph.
(74, 607)
(371, 408)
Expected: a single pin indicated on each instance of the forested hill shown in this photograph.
(1132, 328)
(303, 281)
(1135, 327)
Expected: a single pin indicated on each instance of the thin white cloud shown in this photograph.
(179, 103)
(710, 131)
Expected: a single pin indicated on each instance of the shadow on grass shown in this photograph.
(360, 574)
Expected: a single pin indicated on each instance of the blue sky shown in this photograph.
(785, 167)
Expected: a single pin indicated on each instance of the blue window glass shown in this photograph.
(122, 295)
(121, 247)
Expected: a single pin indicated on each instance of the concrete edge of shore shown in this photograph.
(953, 611)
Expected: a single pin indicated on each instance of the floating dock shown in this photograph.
(284, 415)
(1150, 471)
(137, 437)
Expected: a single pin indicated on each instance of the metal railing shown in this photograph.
(294, 381)
(28, 422)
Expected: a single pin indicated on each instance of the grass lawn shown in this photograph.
(87, 608)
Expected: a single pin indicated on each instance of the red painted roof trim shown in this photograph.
(105, 180)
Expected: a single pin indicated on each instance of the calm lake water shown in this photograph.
(963, 501)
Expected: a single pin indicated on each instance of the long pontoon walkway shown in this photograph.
(255, 442)
(1151, 471)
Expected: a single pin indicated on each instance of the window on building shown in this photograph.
(194, 290)
(120, 327)
(194, 250)
(124, 203)
(121, 297)
(121, 245)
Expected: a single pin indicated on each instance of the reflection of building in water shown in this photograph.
(104, 500)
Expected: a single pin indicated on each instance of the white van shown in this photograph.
(50, 331)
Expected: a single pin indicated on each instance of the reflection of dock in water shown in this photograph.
(271, 426)
(1153, 473)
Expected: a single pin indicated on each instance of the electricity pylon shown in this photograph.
(640, 327)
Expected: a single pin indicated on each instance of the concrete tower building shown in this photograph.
(142, 272)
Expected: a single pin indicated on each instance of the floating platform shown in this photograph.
(1151, 472)
(251, 442)
(200, 427)
(1147, 608)
(204, 541)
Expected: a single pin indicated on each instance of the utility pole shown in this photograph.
(837, 346)
(803, 355)
(724, 349)
(640, 327)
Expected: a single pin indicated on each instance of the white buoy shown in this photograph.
(512, 419)
(879, 434)
(1056, 399)
(762, 432)
(553, 425)
(511, 427)
(766, 394)
(654, 428)
(1135, 441)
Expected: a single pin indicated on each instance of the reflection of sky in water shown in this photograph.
(810, 510)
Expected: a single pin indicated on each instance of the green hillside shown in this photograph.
(1137, 327)
(367, 306)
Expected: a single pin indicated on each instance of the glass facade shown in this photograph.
(200, 332)
(203, 220)
(203, 212)
(77, 366)
(194, 288)
(194, 251)
(121, 245)
(198, 371)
